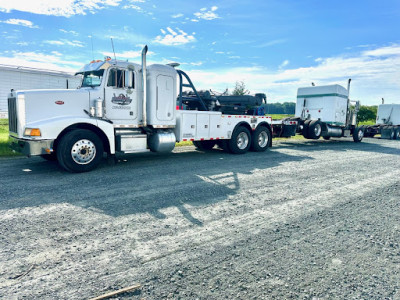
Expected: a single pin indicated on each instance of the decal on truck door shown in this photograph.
(121, 99)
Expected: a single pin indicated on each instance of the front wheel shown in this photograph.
(80, 151)
(261, 139)
(358, 134)
(240, 141)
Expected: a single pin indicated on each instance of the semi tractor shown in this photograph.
(327, 111)
(387, 122)
(123, 107)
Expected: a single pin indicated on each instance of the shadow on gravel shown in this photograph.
(143, 183)
(339, 145)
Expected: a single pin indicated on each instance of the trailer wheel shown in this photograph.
(80, 151)
(204, 145)
(326, 138)
(240, 141)
(397, 133)
(305, 128)
(358, 134)
(314, 130)
(261, 139)
(392, 135)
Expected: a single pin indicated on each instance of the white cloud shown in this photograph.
(177, 16)
(65, 42)
(39, 60)
(127, 54)
(133, 6)
(65, 8)
(374, 76)
(172, 38)
(20, 22)
(284, 64)
(207, 14)
(69, 32)
(384, 51)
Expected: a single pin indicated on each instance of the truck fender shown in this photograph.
(55, 128)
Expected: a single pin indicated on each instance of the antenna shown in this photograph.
(112, 44)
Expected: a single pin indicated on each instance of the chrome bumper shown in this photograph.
(32, 147)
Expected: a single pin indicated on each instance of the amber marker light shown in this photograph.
(32, 132)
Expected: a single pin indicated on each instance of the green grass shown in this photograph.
(5, 140)
(279, 116)
(369, 122)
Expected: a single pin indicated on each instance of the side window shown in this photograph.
(121, 79)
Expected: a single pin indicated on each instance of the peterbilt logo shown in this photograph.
(121, 99)
(59, 102)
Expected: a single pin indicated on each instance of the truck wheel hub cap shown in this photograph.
(83, 152)
(360, 134)
(242, 140)
(263, 139)
(317, 130)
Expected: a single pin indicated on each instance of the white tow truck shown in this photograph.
(122, 107)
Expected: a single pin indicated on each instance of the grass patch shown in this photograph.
(278, 116)
(5, 139)
(369, 122)
(183, 144)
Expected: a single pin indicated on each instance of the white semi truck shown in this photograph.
(387, 122)
(122, 107)
(327, 111)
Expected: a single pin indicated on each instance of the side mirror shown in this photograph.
(129, 79)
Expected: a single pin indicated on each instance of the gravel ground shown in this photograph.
(305, 220)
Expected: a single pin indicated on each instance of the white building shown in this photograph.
(22, 78)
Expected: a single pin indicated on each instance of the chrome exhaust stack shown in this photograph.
(144, 86)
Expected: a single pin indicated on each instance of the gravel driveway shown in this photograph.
(305, 220)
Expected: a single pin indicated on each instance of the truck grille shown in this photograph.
(12, 115)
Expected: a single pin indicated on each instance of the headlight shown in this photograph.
(32, 132)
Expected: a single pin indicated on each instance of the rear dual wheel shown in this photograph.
(240, 141)
(261, 139)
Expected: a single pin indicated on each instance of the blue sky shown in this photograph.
(273, 46)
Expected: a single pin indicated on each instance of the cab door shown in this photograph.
(120, 95)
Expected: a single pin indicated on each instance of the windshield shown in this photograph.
(92, 78)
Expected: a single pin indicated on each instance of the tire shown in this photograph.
(392, 133)
(397, 133)
(326, 138)
(261, 139)
(240, 141)
(204, 145)
(49, 157)
(80, 150)
(315, 130)
(305, 128)
(358, 134)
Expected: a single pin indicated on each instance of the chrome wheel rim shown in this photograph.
(360, 134)
(263, 139)
(317, 130)
(83, 152)
(242, 140)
